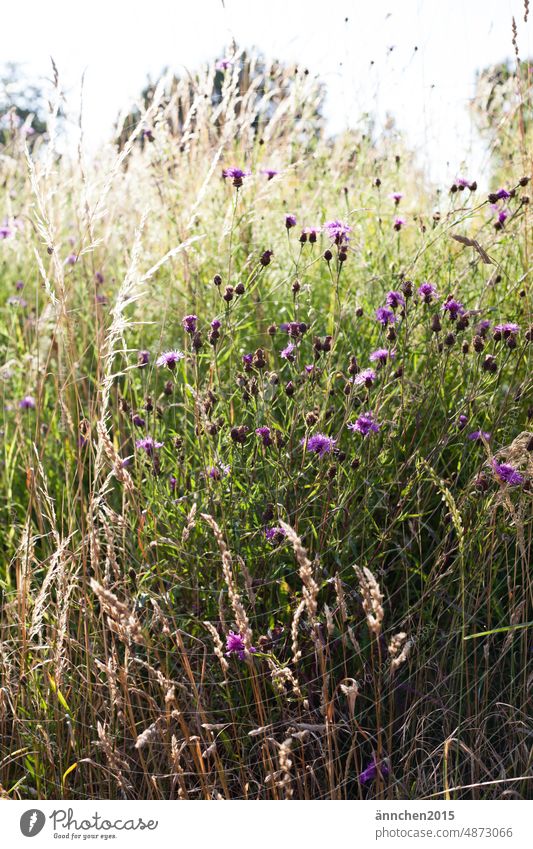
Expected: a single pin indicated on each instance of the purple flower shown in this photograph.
(385, 316)
(27, 403)
(398, 223)
(502, 194)
(370, 773)
(364, 424)
(395, 299)
(224, 64)
(143, 358)
(288, 352)
(189, 322)
(264, 433)
(172, 482)
(337, 231)
(309, 368)
(508, 328)
(216, 472)
(427, 292)
(502, 214)
(6, 232)
(365, 377)
(479, 436)
(15, 301)
(19, 285)
(138, 421)
(465, 184)
(275, 535)
(396, 197)
(507, 474)
(290, 221)
(462, 421)
(311, 233)
(169, 359)
(72, 259)
(247, 360)
(269, 172)
(148, 444)
(99, 277)
(381, 355)
(235, 174)
(235, 645)
(319, 444)
(216, 324)
(454, 308)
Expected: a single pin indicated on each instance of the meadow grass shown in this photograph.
(276, 564)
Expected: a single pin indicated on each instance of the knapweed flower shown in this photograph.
(290, 221)
(502, 194)
(216, 324)
(454, 308)
(311, 233)
(427, 292)
(72, 259)
(138, 420)
(172, 482)
(507, 474)
(385, 316)
(370, 773)
(319, 444)
(148, 444)
(224, 64)
(6, 232)
(288, 352)
(395, 299)
(17, 301)
(501, 214)
(143, 358)
(479, 436)
(507, 329)
(265, 434)
(169, 359)
(189, 323)
(27, 403)
(396, 197)
(217, 472)
(381, 355)
(398, 224)
(275, 535)
(364, 424)
(462, 183)
(237, 175)
(269, 173)
(462, 421)
(19, 285)
(366, 377)
(235, 645)
(337, 231)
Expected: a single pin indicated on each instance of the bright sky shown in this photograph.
(119, 42)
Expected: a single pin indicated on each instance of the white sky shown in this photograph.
(119, 42)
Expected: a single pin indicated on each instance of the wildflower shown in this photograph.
(311, 233)
(265, 434)
(506, 330)
(462, 183)
(172, 482)
(270, 173)
(72, 259)
(396, 197)
(462, 421)
(337, 231)
(189, 322)
(169, 359)
(265, 258)
(365, 377)
(385, 316)
(6, 232)
(143, 358)
(216, 324)
(479, 436)
(454, 308)
(319, 444)
(235, 645)
(395, 299)
(364, 424)
(235, 174)
(427, 292)
(502, 194)
(27, 403)
(502, 215)
(247, 361)
(309, 368)
(290, 221)
(148, 444)
(370, 773)
(381, 355)
(216, 472)
(19, 285)
(275, 535)
(398, 224)
(483, 327)
(507, 474)
(15, 301)
(224, 64)
(288, 352)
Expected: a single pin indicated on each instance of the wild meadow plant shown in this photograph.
(266, 463)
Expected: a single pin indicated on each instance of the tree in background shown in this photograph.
(23, 104)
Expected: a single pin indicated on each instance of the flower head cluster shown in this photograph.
(237, 175)
(395, 299)
(427, 292)
(454, 308)
(190, 322)
(385, 316)
(381, 355)
(265, 434)
(366, 377)
(235, 645)
(337, 231)
(27, 403)
(170, 359)
(364, 424)
(148, 444)
(507, 474)
(319, 444)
